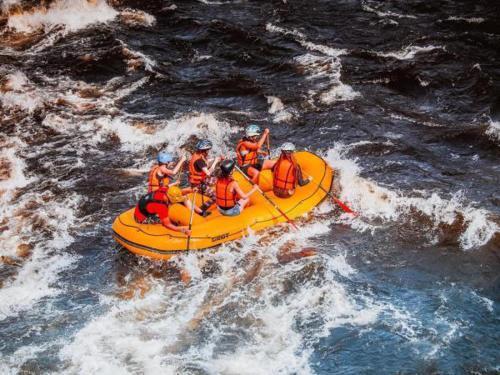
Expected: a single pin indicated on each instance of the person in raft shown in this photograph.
(163, 174)
(230, 199)
(153, 208)
(287, 173)
(200, 172)
(249, 154)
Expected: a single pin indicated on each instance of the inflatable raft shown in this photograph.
(156, 241)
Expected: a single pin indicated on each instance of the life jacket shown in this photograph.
(157, 196)
(285, 173)
(196, 177)
(224, 197)
(154, 181)
(250, 158)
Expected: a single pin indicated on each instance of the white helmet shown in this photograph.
(288, 146)
(252, 130)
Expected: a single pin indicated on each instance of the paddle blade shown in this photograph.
(344, 206)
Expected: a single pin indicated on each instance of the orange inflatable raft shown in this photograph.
(156, 241)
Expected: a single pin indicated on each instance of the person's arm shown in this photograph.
(300, 178)
(263, 138)
(240, 192)
(173, 172)
(167, 223)
(212, 167)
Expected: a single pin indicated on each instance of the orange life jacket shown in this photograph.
(154, 181)
(225, 198)
(195, 177)
(250, 158)
(285, 173)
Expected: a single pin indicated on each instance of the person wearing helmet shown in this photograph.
(200, 172)
(176, 195)
(163, 174)
(248, 152)
(153, 208)
(230, 199)
(287, 173)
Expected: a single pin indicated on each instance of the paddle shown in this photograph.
(341, 204)
(336, 200)
(191, 219)
(268, 147)
(290, 221)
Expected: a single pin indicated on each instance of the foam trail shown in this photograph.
(466, 19)
(410, 52)
(385, 14)
(302, 40)
(375, 202)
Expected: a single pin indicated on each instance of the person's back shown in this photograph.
(230, 199)
(287, 174)
(249, 154)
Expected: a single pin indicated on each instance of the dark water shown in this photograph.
(401, 97)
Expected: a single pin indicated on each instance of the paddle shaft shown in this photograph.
(290, 221)
(268, 147)
(191, 219)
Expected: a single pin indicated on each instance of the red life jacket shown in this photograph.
(141, 212)
(285, 173)
(251, 157)
(196, 177)
(225, 198)
(154, 181)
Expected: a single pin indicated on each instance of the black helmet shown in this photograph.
(227, 167)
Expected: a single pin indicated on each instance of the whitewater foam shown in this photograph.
(277, 109)
(71, 14)
(493, 131)
(159, 331)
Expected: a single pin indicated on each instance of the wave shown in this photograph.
(469, 226)
(324, 70)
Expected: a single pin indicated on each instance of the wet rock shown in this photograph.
(147, 128)
(24, 250)
(87, 58)
(8, 260)
(5, 169)
(90, 92)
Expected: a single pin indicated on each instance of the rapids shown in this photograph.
(401, 98)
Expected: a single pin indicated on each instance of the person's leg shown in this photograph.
(189, 206)
(243, 202)
(253, 174)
